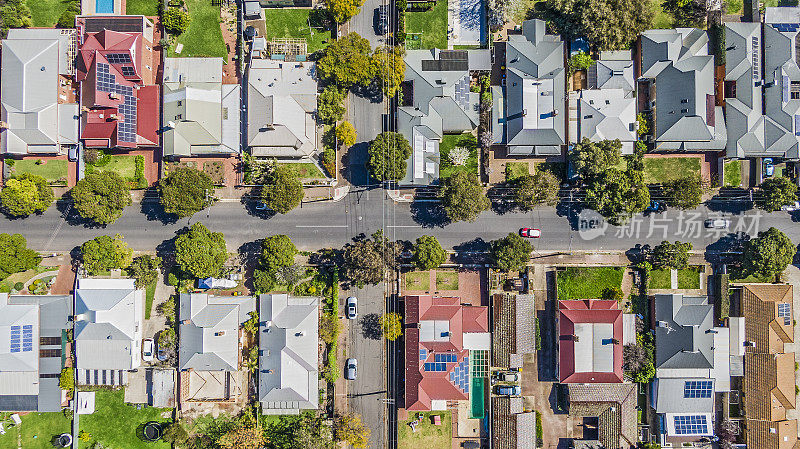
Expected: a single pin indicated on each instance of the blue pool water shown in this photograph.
(104, 6)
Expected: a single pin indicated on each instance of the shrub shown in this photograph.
(172, 279)
(175, 20)
(19, 286)
(537, 334)
(723, 296)
(328, 160)
(66, 381)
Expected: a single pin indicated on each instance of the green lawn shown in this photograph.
(516, 170)
(418, 281)
(427, 435)
(450, 141)
(36, 431)
(587, 282)
(54, 170)
(282, 22)
(689, 278)
(306, 170)
(446, 280)
(123, 164)
(45, 13)
(660, 279)
(114, 423)
(204, 36)
(431, 24)
(150, 293)
(663, 169)
(733, 173)
(143, 7)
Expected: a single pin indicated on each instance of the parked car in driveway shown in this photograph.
(791, 207)
(509, 390)
(351, 369)
(352, 307)
(717, 223)
(147, 349)
(507, 376)
(530, 233)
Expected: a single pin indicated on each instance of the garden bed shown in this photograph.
(450, 141)
(216, 170)
(587, 282)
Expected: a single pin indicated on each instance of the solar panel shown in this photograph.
(694, 389)
(107, 82)
(118, 58)
(127, 70)
(423, 354)
(785, 311)
(691, 425)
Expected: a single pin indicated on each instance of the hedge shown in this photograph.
(723, 295)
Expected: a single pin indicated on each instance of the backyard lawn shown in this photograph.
(663, 169)
(150, 294)
(733, 173)
(688, 278)
(432, 25)
(204, 36)
(418, 281)
(53, 170)
(446, 280)
(36, 431)
(660, 279)
(587, 282)
(45, 13)
(306, 170)
(427, 435)
(143, 7)
(114, 423)
(123, 164)
(450, 141)
(282, 22)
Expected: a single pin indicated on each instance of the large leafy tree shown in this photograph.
(144, 269)
(330, 104)
(687, 13)
(684, 193)
(387, 156)
(306, 431)
(346, 134)
(351, 429)
(346, 61)
(25, 195)
(591, 158)
(776, 192)
(607, 24)
(101, 197)
(15, 255)
(463, 197)
(343, 10)
(769, 254)
(391, 326)
(389, 68)
(671, 255)
(365, 261)
(617, 195)
(541, 188)
(15, 14)
(512, 252)
(176, 20)
(200, 252)
(105, 253)
(428, 253)
(283, 191)
(186, 191)
(277, 251)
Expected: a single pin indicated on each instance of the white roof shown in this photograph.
(85, 402)
(434, 330)
(594, 349)
(477, 341)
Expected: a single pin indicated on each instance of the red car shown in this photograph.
(530, 233)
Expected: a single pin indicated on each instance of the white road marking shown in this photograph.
(320, 226)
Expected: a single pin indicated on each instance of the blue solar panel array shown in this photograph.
(447, 358)
(694, 389)
(691, 425)
(786, 27)
(460, 375)
(423, 354)
(22, 338)
(107, 82)
(436, 367)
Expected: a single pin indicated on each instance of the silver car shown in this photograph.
(351, 369)
(717, 223)
(351, 308)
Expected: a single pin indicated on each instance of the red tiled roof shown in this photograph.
(148, 115)
(587, 311)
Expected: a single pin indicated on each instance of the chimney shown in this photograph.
(300, 334)
(171, 124)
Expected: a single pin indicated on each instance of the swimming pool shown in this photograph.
(476, 398)
(104, 6)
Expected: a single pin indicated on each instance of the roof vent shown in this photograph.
(186, 322)
(300, 334)
(170, 125)
(219, 334)
(42, 69)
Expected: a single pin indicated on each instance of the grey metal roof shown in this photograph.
(288, 356)
(19, 402)
(683, 333)
(209, 330)
(604, 114)
(670, 399)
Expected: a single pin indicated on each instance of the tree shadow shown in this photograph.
(727, 250)
(250, 255)
(71, 216)
(154, 211)
(570, 210)
(372, 92)
(471, 252)
(255, 208)
(166, 251)
(638, 253)
(371, 326)
(355, 164)
(501, 205)
(429, 214)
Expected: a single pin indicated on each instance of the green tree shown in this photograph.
(617, 195)
(349, 428)
(343, 10)
(463, 197)
(277, 251)
(683, 193)
(176, 20)
(16, 14)
(101, 197)
(25, 195)
(607, 24)
(511, 253)
(592, 158)
(365, 261)
(66, 381)
(186, 191)
(671, 255)
(15, 255)
(612, 294)
(176, 435)
(144, 269)
(428, 253)
(105, 253)
(776, 192)
(769, 254)
(391, 326)
(541, 188)
(387, 156)
(580, 61)
(199, 252)
(346, 61)
(283, 191)
(687, 13)
(330, 104)
(644, 375)
(346, 134)
(389, 68)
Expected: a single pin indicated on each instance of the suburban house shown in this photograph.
(514, 332)
(770, 399)
(608, 412)
(108, 330)
(528, 115)
(437, 100)
(34, 336)
(288, 363)
(441, 335)
(592, 333)
(677, 89)
(38, 107)
(762, 86)
(606, 109)
(117, 70)
(201, 115)
(692, 362)
(282, 109)
(512, 426)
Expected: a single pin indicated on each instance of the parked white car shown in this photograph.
(791, 207)
(147, 349)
